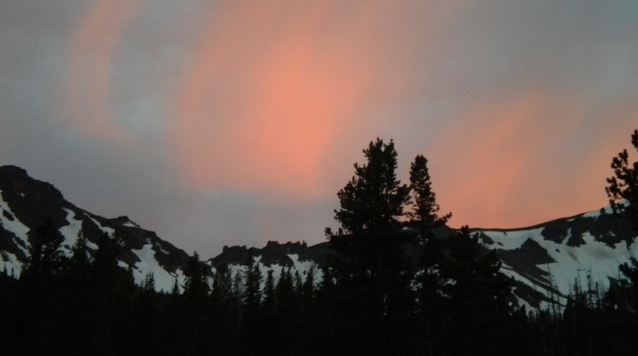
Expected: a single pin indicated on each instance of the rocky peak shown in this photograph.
(26, 203)
(31, 201)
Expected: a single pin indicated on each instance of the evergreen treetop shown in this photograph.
(623, 186)
(424, 208)
(374, 198)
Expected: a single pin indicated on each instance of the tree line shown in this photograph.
(393, 286)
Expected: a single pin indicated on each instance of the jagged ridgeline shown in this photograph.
(393, 279)
(27, 203)
(545, 260)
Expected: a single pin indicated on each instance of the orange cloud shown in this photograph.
(271, 91)
(606, 139)
(522, 160)
(493, 162)
(88, 83)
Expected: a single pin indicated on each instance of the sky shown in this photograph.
(236, 122)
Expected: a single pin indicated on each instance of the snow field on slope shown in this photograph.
(8, 261)
(574, 265)
(592, 263)
(164, 280)
(107, 230)
(71, 233)
(510, 240)
(15, 226)
(303, 267)
(9, 264)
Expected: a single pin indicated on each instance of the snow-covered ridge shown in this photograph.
(545, 260)
(26, 204)
(553, 258)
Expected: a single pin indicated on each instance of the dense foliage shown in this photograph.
(622, 188)
(374, 298)
(85, 311)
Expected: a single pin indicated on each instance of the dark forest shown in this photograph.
(450, 298)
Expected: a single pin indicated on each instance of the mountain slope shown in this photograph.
(546, 261)
(25, 203)
(554, 257)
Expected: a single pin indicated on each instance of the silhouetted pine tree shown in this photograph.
(45, 257)
(112, 288)
(477, 295)
(621, 310)
(224, 313)
(622, 299)
(623, 187)
(144, 322)
(40, 294)
(424, 213)
(252, 287)
(286, 301)
(374, 198)
(372, 273)
(423, 220)
(251, 324)
(79, 307)
(196, 290)
(269, 333)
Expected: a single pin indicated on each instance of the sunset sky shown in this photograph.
(236, 122)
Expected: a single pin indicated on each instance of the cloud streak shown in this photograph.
(87, 100)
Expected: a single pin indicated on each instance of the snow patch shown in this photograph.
(129, 223)
(9, 264)
(304, 267)
(301, 267)
(107, 230)
(511, 240)
(71, 232)
(592, 262)
(164, 280)
(13, 225)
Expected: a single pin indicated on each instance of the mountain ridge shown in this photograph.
(546, 260)
(26, 203)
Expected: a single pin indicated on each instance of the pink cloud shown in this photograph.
(508, 162)
(87, 95)
(275, 90)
